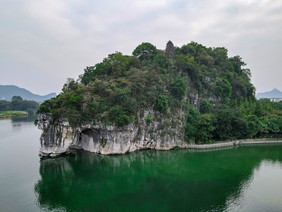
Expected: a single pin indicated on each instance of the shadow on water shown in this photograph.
(177, 180)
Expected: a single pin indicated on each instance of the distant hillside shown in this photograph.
(8, 91)
(275, 93)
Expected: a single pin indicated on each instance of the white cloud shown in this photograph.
(149, 4)
(56, 39)
(51, 17)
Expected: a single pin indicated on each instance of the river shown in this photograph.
(235, 179)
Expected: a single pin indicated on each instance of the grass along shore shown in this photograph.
(12, 113)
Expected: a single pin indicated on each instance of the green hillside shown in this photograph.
(212, 89)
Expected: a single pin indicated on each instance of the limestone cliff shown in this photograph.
(59, 138)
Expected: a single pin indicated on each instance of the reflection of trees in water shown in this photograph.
(28, 118)
(149, 180)
(23, 120)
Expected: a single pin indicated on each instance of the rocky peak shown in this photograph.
(169, 51)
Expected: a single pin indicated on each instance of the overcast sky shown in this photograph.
(43, 42)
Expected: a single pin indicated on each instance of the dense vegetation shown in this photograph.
(12, 114)
(212, 89)
(18, 104)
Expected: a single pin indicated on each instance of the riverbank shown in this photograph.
(242, 142)
(10, 114)
(196, 147)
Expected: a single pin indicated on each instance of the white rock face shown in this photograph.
(162, 134)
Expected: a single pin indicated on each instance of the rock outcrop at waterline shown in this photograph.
(59, 137)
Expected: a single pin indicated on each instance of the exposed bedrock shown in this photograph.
(59, 137)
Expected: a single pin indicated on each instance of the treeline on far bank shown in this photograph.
(18, 104)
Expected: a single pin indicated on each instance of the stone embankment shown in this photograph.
(236, 143)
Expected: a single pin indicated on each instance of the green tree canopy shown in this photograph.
(17, 98)
(145, 51)
(212, 91)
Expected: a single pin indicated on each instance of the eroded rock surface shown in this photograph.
(59, 137)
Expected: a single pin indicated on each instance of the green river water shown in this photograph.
(236, 179)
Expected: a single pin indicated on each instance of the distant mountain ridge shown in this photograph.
(275, 93)
(8, 91)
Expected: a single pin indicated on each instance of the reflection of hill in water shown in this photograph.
(149, 180)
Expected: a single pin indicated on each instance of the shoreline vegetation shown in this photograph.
(11, 114)
(17, 107)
